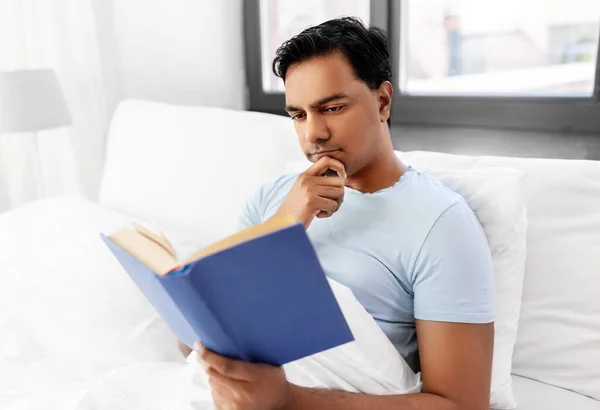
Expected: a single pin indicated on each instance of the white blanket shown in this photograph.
(369, 365)
(76, 333)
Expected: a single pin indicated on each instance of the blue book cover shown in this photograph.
(262, 300)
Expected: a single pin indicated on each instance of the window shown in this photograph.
(525, 64)
(538, 48)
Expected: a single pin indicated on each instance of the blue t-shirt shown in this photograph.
(412, 251)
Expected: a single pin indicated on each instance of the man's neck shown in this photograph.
(383, 172)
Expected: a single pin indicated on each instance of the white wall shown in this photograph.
(181, 51)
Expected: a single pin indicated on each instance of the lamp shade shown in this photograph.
(31, 100)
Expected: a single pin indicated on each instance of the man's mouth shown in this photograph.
(323, 153)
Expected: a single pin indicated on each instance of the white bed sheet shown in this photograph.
(77, 334)
(56, 305)
(534, 395)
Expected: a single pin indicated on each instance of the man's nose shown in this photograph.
(316, 129)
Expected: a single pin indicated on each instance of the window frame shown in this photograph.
(559, 114)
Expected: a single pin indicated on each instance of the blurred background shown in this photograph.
(511, 78)
(466, 47)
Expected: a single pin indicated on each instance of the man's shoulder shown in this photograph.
(272, 191)
(429, 197)
(282, 183)
(284, 180)
(265, 201)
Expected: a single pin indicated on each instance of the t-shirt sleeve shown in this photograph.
(251, 213)
(453, 275)
(264, 202)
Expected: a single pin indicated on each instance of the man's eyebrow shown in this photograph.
(318, 103)
(291, 108)
(329, 99)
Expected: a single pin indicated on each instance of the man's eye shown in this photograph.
(297, 117)
(335, 109)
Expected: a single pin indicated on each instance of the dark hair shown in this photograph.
(365, 48)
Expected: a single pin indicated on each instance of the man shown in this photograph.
(411, 250)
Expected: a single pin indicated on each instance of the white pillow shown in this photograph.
(191, 168)
(497, 197)
(559, 329)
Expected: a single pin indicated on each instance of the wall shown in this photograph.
(181, 51)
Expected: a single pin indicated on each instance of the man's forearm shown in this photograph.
(303, 398)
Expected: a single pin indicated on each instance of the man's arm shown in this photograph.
(456, 363)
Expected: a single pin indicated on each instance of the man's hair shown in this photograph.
(365, 48)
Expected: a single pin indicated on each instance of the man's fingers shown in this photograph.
(219, 379)
(332, 192)
(319, 167)
(222, 388)
(230, 368)
(325, 181)
(219, 382)
(326, 205)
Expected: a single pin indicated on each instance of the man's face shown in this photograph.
(335, 114)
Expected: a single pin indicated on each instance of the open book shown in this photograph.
(259, 295)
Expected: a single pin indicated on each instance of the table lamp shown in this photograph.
(31, 101)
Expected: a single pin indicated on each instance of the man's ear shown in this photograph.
(385, 94)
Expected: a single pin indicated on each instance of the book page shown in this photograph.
(156, 237)
(152, 254)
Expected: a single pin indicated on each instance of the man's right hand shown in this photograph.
(314, 194)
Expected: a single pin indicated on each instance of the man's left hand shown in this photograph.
(239, 385)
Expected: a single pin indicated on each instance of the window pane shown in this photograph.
(282, 19)
(505, 48)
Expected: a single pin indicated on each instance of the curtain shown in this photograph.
(61, 35)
